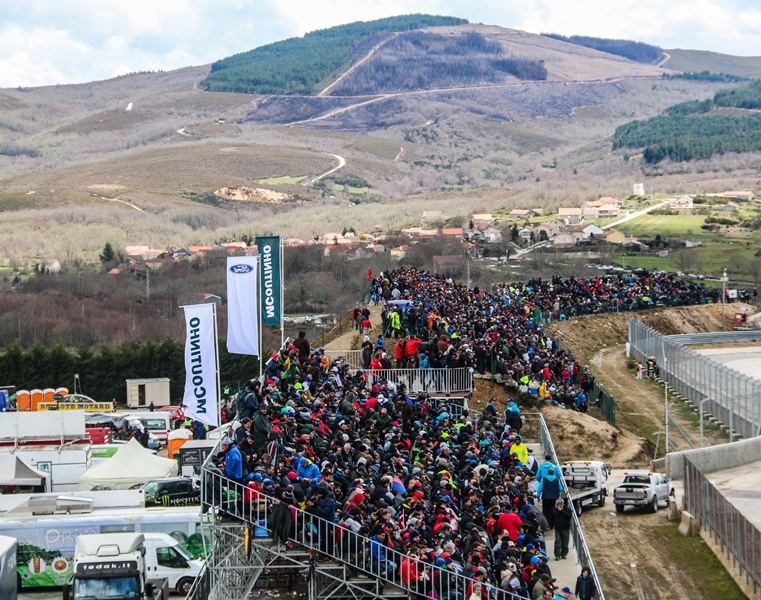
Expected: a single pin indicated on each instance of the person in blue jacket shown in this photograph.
(546, 466)
(378, 547)
(549, 490)
(233, 461)
(308, 470)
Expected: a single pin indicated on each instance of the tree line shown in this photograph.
(298, 65)
(695, 130)
(706, 76)
(103, 371)
(637, 51)
(422, 60)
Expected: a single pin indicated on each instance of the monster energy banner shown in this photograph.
(270, 278)
(200, 364)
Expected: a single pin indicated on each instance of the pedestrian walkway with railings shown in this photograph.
(729, 396)
(433, 381)
(338, 562)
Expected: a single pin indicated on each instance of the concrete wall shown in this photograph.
(715, 458)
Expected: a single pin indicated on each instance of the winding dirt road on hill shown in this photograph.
(360, 62)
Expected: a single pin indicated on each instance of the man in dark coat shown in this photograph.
(302, 345)
(260, 427)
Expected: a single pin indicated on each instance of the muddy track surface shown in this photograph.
(629, 559)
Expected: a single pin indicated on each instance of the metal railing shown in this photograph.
(336, 541)
(728, 395)
(432, 381)
(353, 358)
(740, 537)
(536, 420)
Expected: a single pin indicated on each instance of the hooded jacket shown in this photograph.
(308, 470)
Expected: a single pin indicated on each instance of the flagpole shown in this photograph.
(216, 355)
(259, 315)
(282, 293)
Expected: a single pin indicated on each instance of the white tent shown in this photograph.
(13, 471)
(132, 465)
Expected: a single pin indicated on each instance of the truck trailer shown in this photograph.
(47, 526)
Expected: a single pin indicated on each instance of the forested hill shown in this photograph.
(699, 129)
(306, 64)
(637, 51)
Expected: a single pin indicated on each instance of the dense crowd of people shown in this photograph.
(448, 491)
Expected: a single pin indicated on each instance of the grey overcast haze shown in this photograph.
(46, 42)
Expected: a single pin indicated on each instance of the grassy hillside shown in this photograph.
(701, 60)
(300, 65)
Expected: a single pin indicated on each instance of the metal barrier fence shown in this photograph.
(342, 542)
(432, 381)
(740, 537)
(353, 358)
(728, 395)
(579, 541)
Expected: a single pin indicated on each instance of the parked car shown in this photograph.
(171, 491)
(642, 488)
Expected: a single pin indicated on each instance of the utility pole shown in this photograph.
(147, 282)
(468, 256)
(724, 301)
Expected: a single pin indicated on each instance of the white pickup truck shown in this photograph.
(642, 488)
(586, 481)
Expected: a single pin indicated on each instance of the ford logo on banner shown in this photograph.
(241, 269)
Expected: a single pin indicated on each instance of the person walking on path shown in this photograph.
(639, 370)
(585, 585)
(561, 516)
(549, 491)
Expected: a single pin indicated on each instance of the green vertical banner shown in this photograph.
(270, 279)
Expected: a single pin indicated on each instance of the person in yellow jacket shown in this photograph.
(520, 450)
(396, 324)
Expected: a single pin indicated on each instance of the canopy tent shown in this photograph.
(13, 471)
(131, 466)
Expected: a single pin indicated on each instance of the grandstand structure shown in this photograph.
(243, 550)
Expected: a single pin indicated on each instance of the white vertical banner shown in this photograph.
(242, 305)
(201, 364)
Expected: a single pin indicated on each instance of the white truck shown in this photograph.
(130, 565)
(48, 525)
(111, 565)
(587, 483)
(642, 488)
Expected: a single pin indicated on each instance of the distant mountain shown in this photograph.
(303, 65)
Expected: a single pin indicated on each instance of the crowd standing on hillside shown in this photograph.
(457, 495)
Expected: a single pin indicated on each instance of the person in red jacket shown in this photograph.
(412, 347)
(399, 352)
(510, 523)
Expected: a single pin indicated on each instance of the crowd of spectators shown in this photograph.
(448, 491)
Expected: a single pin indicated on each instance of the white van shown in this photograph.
(157, 423)
(165, 558)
